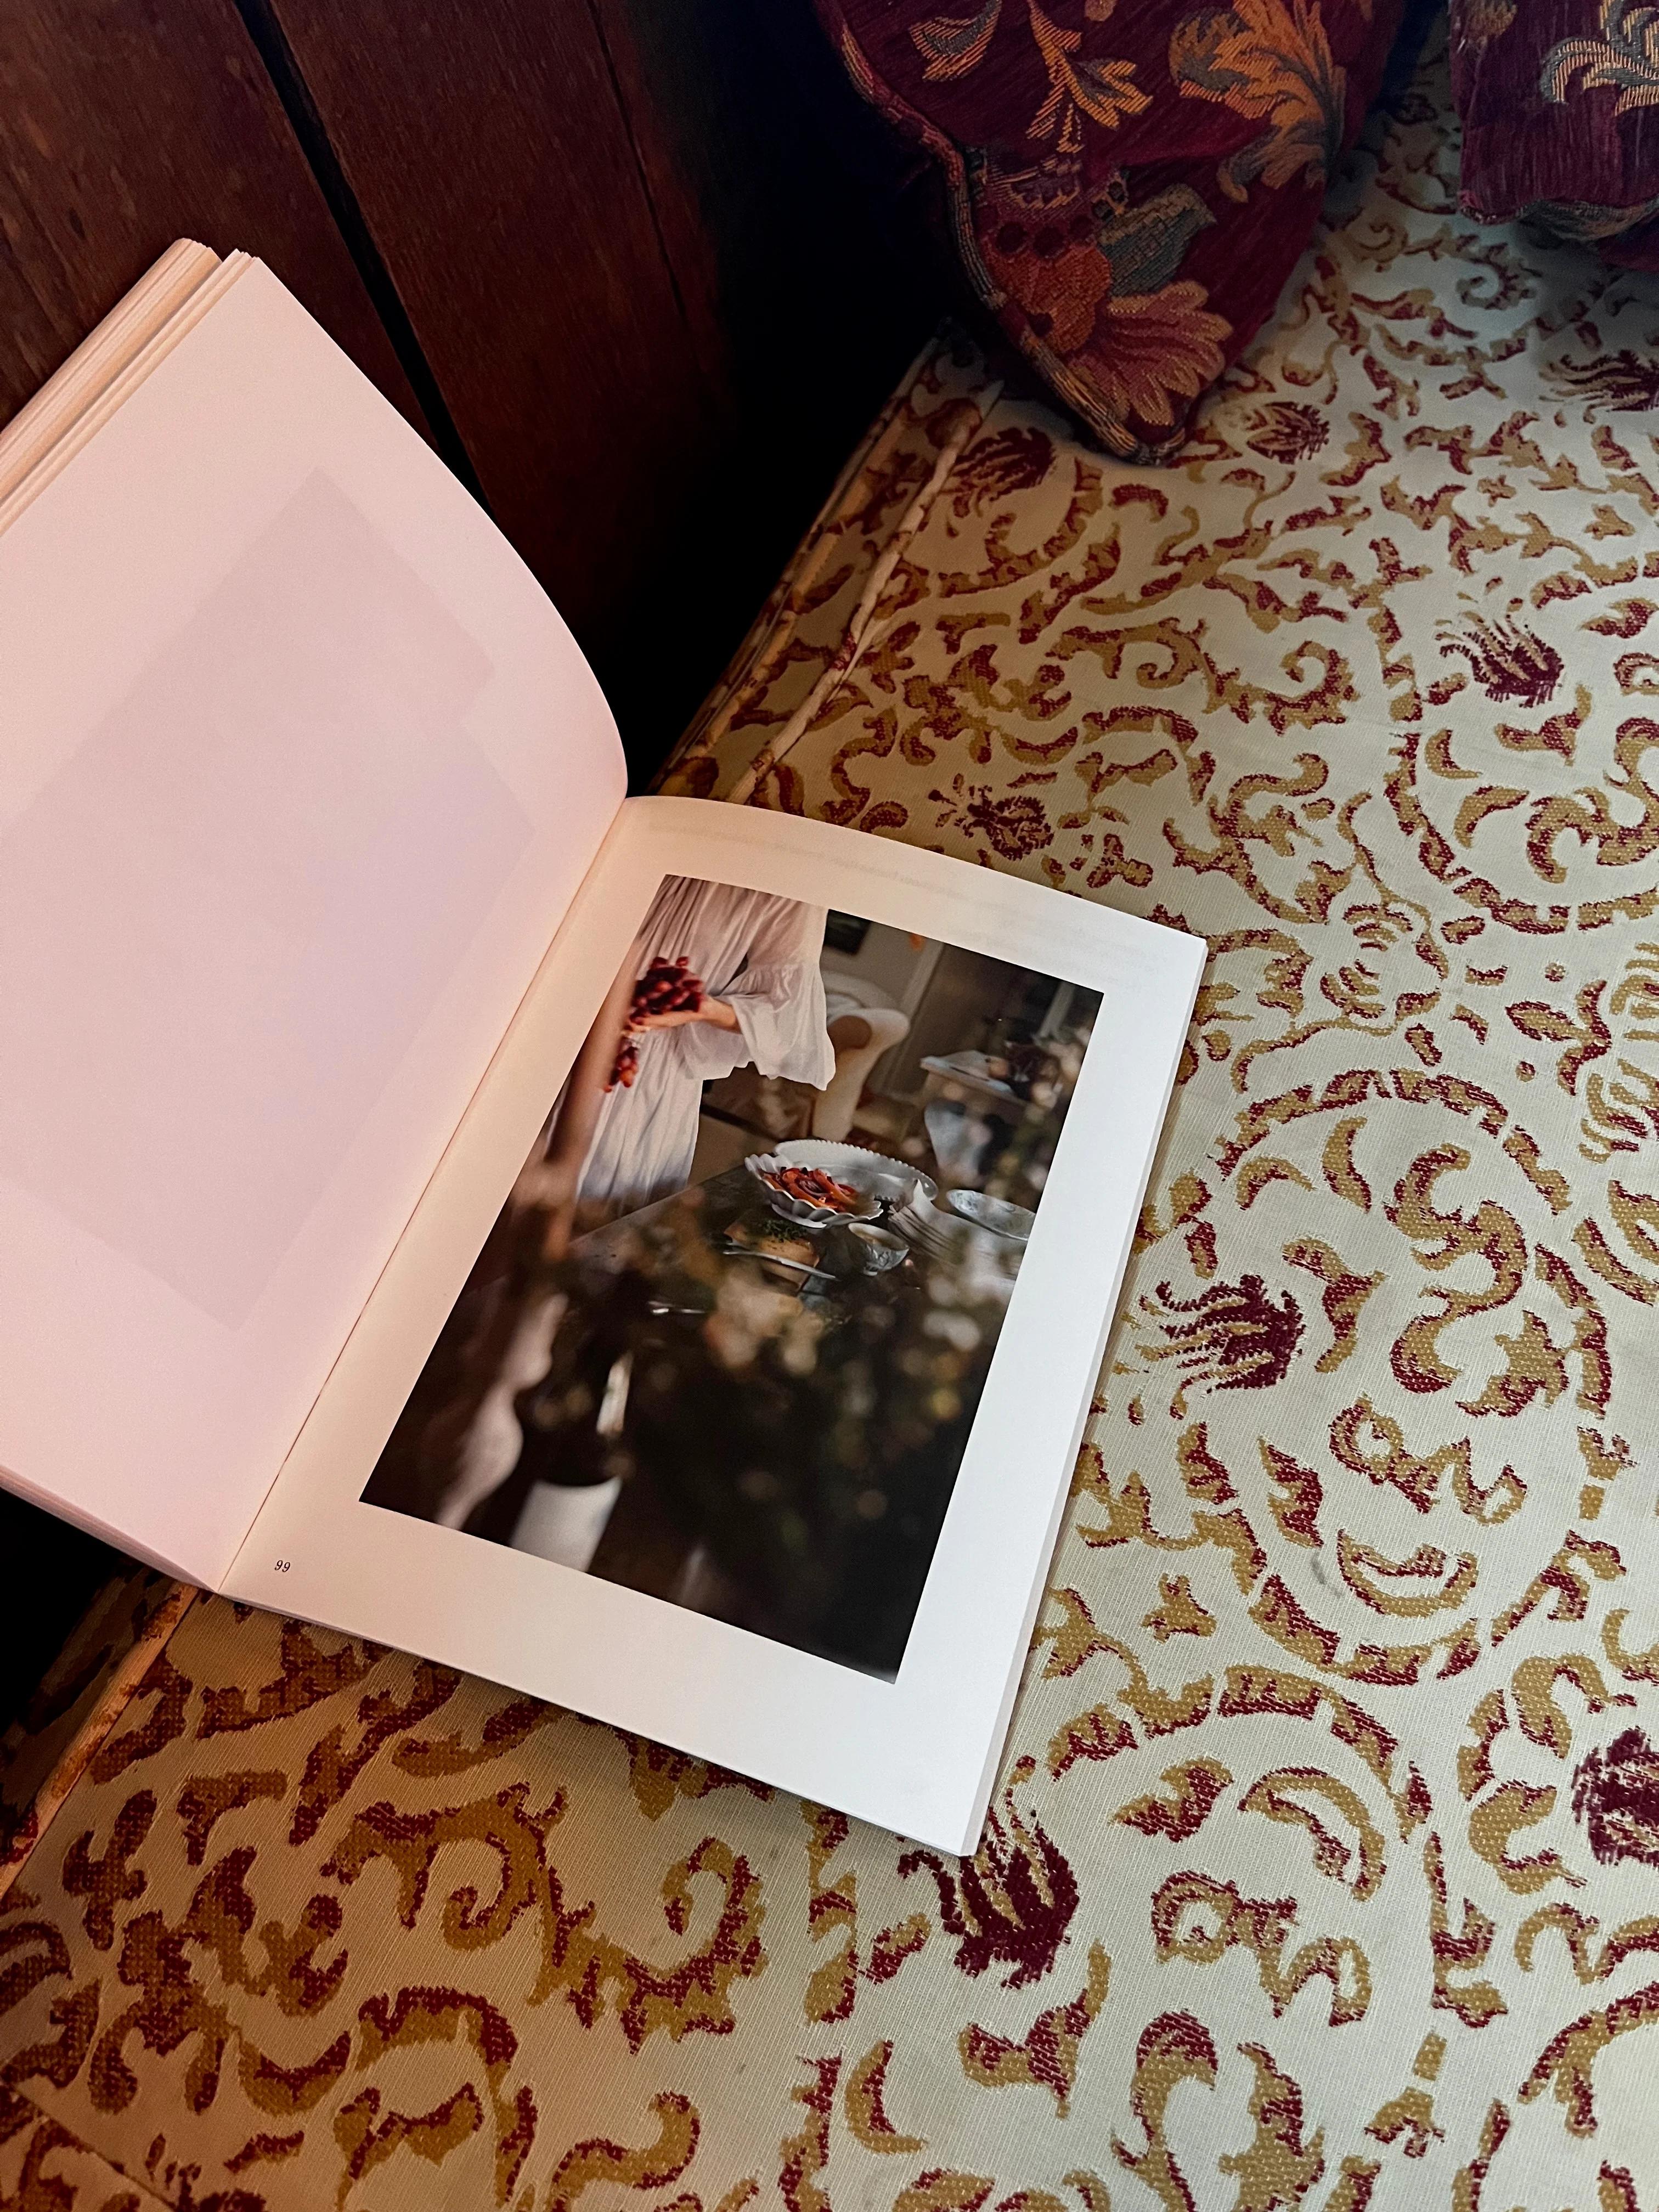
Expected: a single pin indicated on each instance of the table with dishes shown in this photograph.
(782, 1365)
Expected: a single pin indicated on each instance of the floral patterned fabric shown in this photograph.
(1559, 101)
(1130, 186)
(1324, 1868)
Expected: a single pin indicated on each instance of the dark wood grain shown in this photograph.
(783, 201)
(124, 124)
(799, 231)
(657, 310)
(51, 1571)
(486, 146)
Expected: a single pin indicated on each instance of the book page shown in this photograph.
(80, 395)
(727, 1382)
(301, 773)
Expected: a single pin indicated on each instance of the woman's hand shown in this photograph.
(715, 1010)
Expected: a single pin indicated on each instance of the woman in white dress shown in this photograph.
(612, 1150)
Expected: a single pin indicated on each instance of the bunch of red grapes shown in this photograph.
(667, 987)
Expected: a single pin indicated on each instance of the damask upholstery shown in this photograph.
(1324, 1868)
(1130, 186)
(1559, 105)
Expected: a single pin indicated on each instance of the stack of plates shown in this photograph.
(1000, 1215)
(925, 1229)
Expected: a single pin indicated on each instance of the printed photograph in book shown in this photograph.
(727, 1337)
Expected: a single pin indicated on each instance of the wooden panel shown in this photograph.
(124, 124)
(494, 169)
(609, 231)
(780, 195)
(803, 252)
(51, 1571)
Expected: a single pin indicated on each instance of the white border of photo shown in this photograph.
(918, 1754)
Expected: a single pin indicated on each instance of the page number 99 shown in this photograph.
(282, 1566)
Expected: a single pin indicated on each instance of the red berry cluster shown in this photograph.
(813, 1187)
(627, 1066)
(667, 987)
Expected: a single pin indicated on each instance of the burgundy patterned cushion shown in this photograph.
(1131, 180)
(1559, 101)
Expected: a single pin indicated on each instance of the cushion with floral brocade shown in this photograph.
(1131, 181)
(1559, 103)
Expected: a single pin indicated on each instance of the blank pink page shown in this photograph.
(222, 920)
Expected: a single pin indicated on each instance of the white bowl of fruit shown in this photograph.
(809, 1196)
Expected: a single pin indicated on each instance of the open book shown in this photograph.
(652, 1253)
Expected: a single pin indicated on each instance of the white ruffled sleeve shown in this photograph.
(778, 998)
